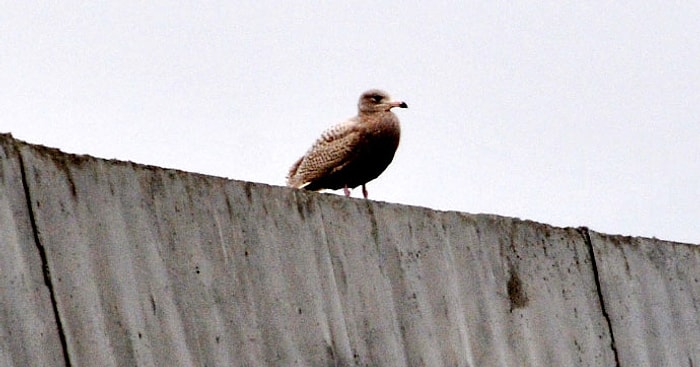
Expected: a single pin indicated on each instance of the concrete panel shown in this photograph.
(155, 267)
(652, 297)
(28, 332)
(163, 267)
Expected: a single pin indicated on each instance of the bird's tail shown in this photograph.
(293, 180)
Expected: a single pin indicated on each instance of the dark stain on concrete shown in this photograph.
(516, 292)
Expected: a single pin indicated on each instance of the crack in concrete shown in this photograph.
(44, 260)
(587, 239)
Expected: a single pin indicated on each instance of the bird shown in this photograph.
(353, 152)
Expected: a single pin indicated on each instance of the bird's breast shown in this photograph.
(379, 143)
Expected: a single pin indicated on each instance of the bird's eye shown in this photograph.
(377, 98)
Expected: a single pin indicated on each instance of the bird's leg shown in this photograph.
(364, 191)
(346, 191)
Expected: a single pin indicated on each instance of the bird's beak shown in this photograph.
(399, 104)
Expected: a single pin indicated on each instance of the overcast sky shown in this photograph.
(572, 114)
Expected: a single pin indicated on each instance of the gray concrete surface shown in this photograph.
(652, 294)
(155, 267)
(28, 332)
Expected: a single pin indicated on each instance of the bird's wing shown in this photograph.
(330, 153)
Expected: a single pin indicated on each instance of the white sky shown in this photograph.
(580, 113)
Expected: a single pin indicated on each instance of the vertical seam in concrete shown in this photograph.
(44, 261)
(587, 238)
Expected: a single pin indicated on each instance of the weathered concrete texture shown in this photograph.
(28, 332)
(156, 267)
(652, 295)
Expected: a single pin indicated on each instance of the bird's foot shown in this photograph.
(346, 191)
(364, 191)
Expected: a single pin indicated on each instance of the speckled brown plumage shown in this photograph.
(354, 152)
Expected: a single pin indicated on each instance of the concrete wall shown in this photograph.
(108, 263)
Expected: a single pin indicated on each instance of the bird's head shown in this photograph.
(375, 100)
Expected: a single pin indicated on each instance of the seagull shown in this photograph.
(353, 152)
